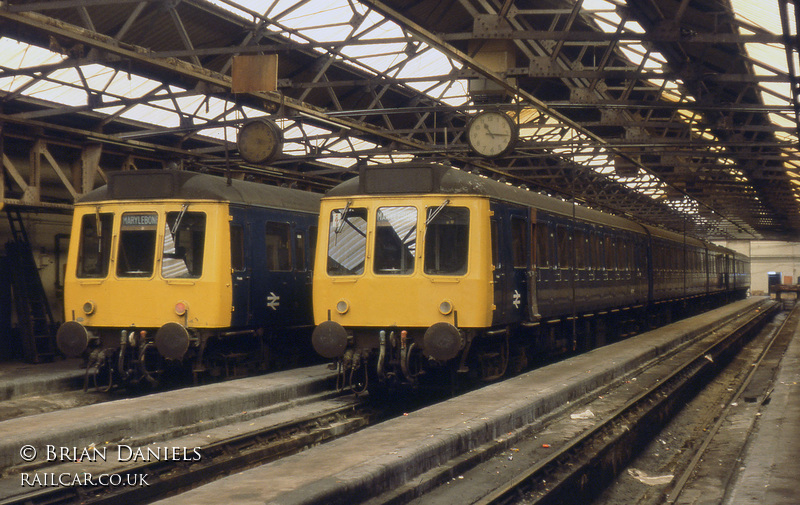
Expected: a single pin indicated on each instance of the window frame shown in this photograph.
(279, 262)
(464, 235)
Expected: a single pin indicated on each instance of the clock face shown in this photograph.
(491, 134)
(259, 141)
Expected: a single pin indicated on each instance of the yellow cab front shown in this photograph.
(141, 265)
(402, 263)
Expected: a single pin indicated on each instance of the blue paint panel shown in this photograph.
(510, 228)
(268, 292)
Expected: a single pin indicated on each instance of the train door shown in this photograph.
(545, 268)
(520, 254)
(241, 270)
(303, 257)
(533, 259)
(278, 296)
(498, 275)
(510, 290)
(650, 256)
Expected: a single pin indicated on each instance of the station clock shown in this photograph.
(492, 133)
(259, 140)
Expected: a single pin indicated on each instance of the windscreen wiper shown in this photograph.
(436, 212)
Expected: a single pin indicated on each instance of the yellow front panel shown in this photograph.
(412, 300)
(149, 302)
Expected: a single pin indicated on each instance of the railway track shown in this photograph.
(572, 457)
(162, 477)
(768, 354)
(578, 470)
(710, 434)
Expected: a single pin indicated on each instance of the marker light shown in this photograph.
(89, 307)
(342, 306)
(445, 307)
(181, 307)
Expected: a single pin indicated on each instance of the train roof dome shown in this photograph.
(181, 185)
(431, 178)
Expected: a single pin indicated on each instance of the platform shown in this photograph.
(382, 457)
(769, 469)
(22, 379)
(137, 418)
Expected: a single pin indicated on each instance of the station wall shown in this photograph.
(768, 256)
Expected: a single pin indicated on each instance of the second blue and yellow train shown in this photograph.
(423, 268)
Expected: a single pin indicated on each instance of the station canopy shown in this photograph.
(681, 114)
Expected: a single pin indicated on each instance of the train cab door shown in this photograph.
(533, 251)
(301, 273)
(520, 260)
(241, 270)
(277, 293)
(510, 293)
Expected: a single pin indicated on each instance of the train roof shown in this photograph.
(181, 185)
(433, 178)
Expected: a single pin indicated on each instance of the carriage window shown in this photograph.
(237, 247)
(395, 240)
(580, 249)
(184, 238)
(610, 251)
(629, 260)
(446, 245)
(543, 246)
(622, 255)
(519, 240)
(347, 241)
(94, 249)
(565, 252)
(278, 253)
(598, 250)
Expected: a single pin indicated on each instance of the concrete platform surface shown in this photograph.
(769, 472)
(173, 413)
(382, 457)
(21, 379)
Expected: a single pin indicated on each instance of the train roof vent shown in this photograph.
(136, 184)
(401, 178)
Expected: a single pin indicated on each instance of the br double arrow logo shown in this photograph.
(273, 301)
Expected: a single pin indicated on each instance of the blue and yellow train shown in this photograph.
(171, 268)
(424, 268)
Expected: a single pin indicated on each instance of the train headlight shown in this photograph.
(181, 307)
(89, 307)
(342, 306)
(446, 307)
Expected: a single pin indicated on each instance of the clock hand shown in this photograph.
(493, 134)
